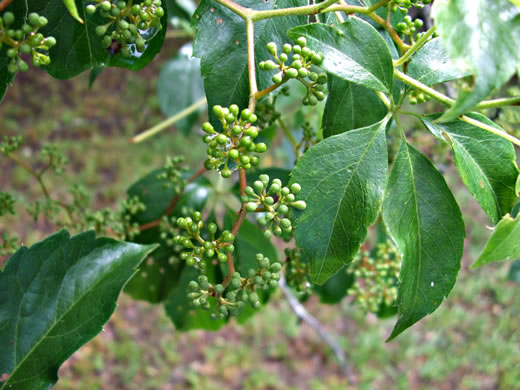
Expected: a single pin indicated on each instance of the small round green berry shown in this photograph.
(252, 119)
(222, 257)
(233, 154)
(299, 205)
(277, 231)
(191, 261)
(251, 207)
(208, 128)
(270, 65)
(217, 110)
(285, 223)
(272, 48)
(26, 28)
(306, 52)
(283, 209)
(268, 234)
(322, 78)
(275, 187)
(50, 41)
(295, 188)
(245, 114)
(287, 48)
(260, 147)
(303, 72)
(258, 186)
(244, 159)
(222, 139)
(25, 48)
(106, 42)
(278, 78)
(249, 191)
(226, 173)
(292, 73)
(101, 30)
(268, 200)
(276, 267)
(236, 283)
(283, 58)
(22, 66)
(264, 179)
(313, 100)
(313, 76)
(91, 9)
(301, 41)
(285, 191)
(290, 198)
(230, 118)
(297, 49)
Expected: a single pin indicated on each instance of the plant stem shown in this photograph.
(312, 9)
(424, 88)
(4, 4)
(289, 136)
(251, 66)
(168, 122)
(489, 128)
(173, 202)
(388, 27)
(178, 34)
(384, 99)
(416, 46)
(243, 12)
(496, 103)
(264, 92)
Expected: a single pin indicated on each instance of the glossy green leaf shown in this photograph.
(425, 222)
(162, 269)
(432, 65)
(224, 62)
(350, 106)
(354, 51)
(343, 180)
(335, 289)
(485, 161)
(481, 37)
(180, 85)
(73, 10)
(78, 48)
(54, 297)
(504, 243)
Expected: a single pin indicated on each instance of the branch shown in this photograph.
(305, 316)
(251, 66)
(491, 129)
(388, 27)
(4, 4)
(173, 202)
(416, 46)
(424, 88)
(168, 122)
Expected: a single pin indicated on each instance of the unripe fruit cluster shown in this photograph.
(375, 277)
(6, 203)
(297, 273)
(275, 201)
(409, 26)
(131, 24)
(404, 5)
(25, 40)
(302, 66)
(10, 144)
(241, 290)
(235, 143)
(417, 96)
(173, 169)
(199, 249)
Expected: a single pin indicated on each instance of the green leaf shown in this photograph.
(432, 65)
(515, 2)
(179, 86)
(335, 289)
(485, 161)
(353, 51)
(514, 271)
(224, 65)
(161, 271)
(350, 106)
(78, 48)
(54, 297)
(343, 179)
(73, 10)
(481, 37)
(504, 243)
(424, 220)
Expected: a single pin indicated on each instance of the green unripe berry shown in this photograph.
(105, 5)
(193, 285)
(50, 41)
(236, 130)
(252, 119)
(299, 205)
(106, 42)
(252, 132)
(296, 64)
(283, 58)
(277, 231)
(319, 95)
(210, 253)
(290, 198)
(230, 118)
(260, 147)
(258, 186)
(234, 109)
(303, 72)
(222, 139)
(313, 100)
(91, 9)
(244, 159)
(277, 78)
(268, 234)
(115, 12)
(295, 188)
(317, 59)
(301, 41)
(264, 179)
(22, 66)
(287, 48)
(245, 114)
(217, 110)
(273, 284)
(322, 78)
(313, 76)
(249, 191)
(101, 30)
(269, 216)
(297, 49)
(123, 24)
(272, 48)
(222, 257)
(306, 52)
(251, 207)
(285, 191)
(276, 267)
(246, 141)
(208, 128)
(26, 28)
(25, 48)
(191, 261)
(283, 209)
(269, 201)
(275, 187)
(226, 173)
(270, 65)
(233, 154)
(9, 17)
(292, 73)
(285, 223)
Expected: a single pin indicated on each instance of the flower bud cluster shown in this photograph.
(409, 26)
(375, 277)
(130, 23)
(173, 169)
(6, 203)
(275, 201)
(197, 249)
(25, 40)
(302, 68)
(297, 273)
(241, 290)
(232, 148)
(404, 5)
(10, 144)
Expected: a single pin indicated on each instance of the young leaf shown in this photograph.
(78, 47)
(432, 65)
(486, 162)
(179, 86)
(352, 50)
(424, 220)
(481, 36)
(504, 243)
(350, 106)
(73, 10)
(54, 297)
(224, 65)
(343, 179)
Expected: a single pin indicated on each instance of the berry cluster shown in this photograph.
(26, 40)
(376, 278)
(409, 26)
(404, 5)
(9, 244)
(6, 203)
(241, 290)
(235, 142)
(56, 159)
(173, 169)
(302, 65)
(266, 109)
(197, 248)
(131, 24)
(297, 272)
(9, 145)
(275, 202)
(417, 96)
